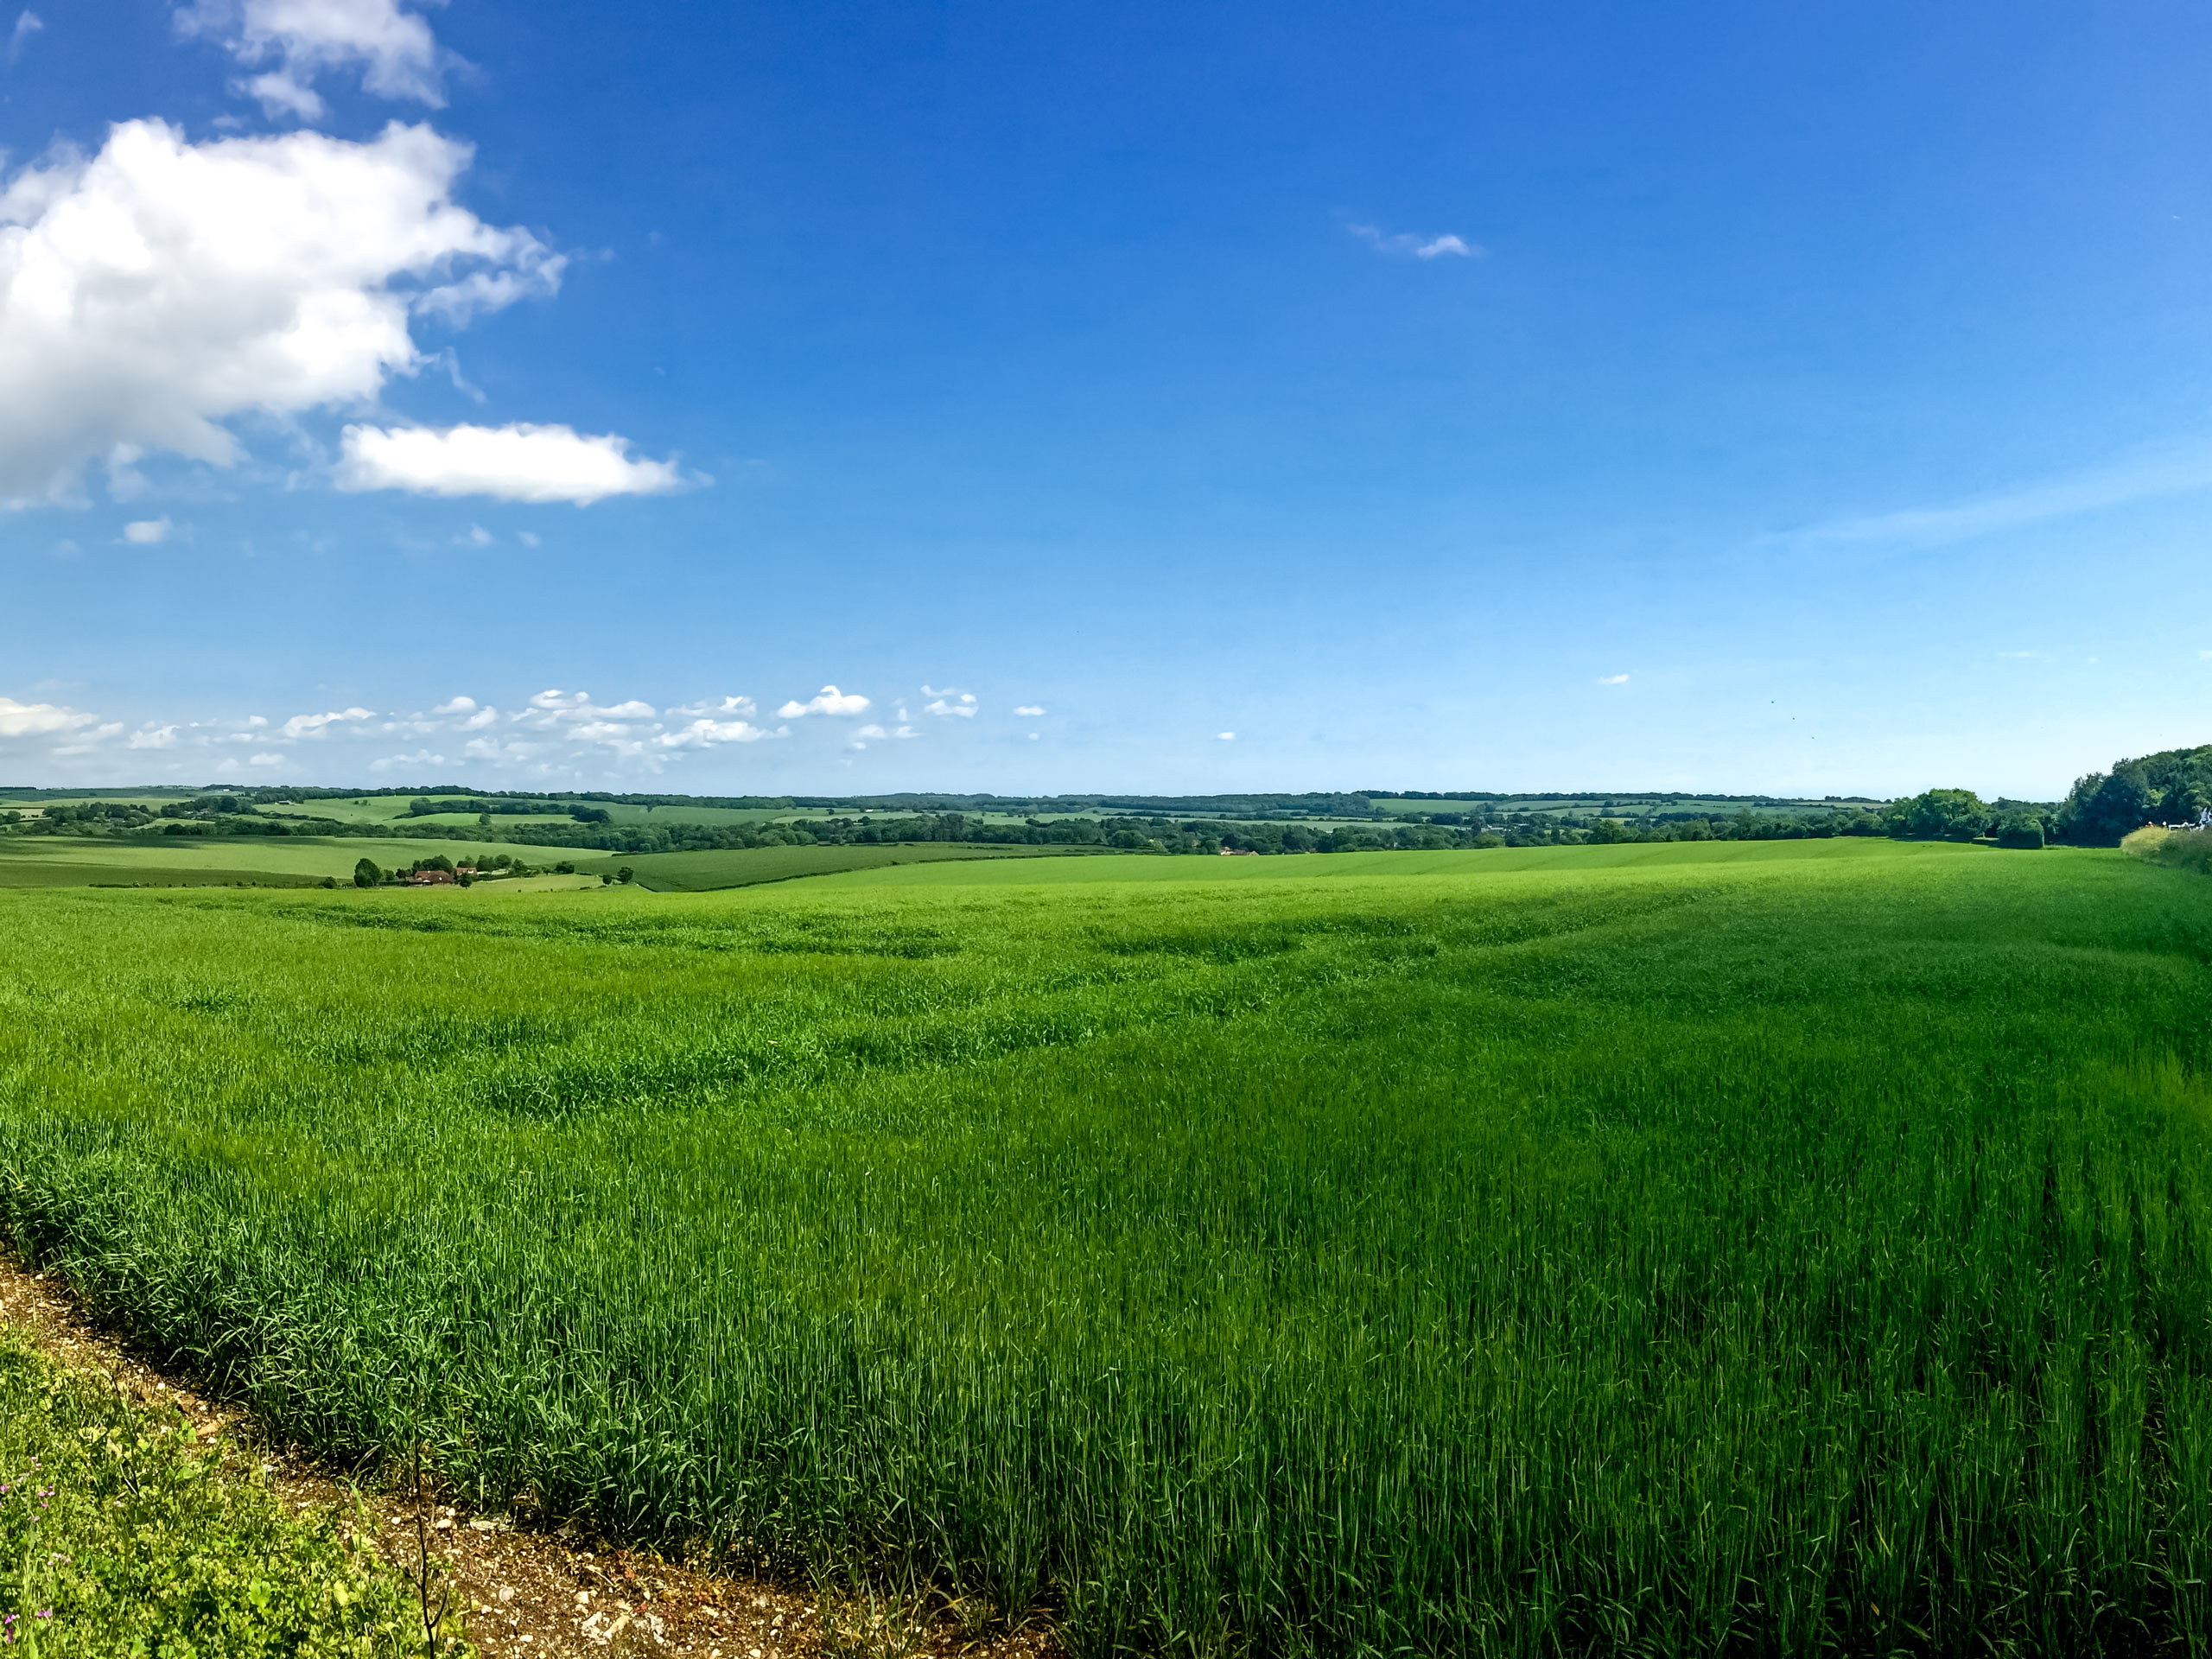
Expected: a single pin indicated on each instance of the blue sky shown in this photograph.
(1809, 399)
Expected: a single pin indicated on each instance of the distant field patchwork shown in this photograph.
(750, 866)
(65, 860)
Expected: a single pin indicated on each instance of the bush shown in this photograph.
(2020, 830)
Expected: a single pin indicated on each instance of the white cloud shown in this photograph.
(548, 706)
(154, 290)
(1029, 711)
(1224, 737)
(41, 719)
(738, 707)
(965, 708)
(1612, 679)
(877, 732)
(515, 463)
(144, 532)
(319, 725)
(705, 733)
(1420, 247)
(456, 706)
(153, 737)
(830, 701)
(302, 40)
(270, 759)
(28, 24)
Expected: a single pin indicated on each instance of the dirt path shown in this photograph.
(521, 1590)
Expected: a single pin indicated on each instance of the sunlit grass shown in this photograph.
(1755, 1254)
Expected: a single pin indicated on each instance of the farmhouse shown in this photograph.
(430, 879)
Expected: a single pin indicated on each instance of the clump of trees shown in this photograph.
(2173, 786)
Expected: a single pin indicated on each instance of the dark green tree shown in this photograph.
(2172, 786)
(366, 875)
(1943, 815)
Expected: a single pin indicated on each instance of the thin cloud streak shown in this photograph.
(2142, 479)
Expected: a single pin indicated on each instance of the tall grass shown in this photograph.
(1758, 1259)
(2180, 849)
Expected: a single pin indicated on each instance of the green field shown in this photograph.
(749, 867)
(371, 810)
(174, 861)
(1750, 1248)
(1496, 860)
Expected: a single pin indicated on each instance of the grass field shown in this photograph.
(373, 810)
(750, 866)
(1488, 861)
(179, 860)
(1779, 1248)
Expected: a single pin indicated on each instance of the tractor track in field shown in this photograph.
(517, 1590)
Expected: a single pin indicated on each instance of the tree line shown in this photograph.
(2173, 786)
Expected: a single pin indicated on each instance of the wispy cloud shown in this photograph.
(1612, 679)
(1417, 245)
(27, 24)
(393, 49)
(2174, 472)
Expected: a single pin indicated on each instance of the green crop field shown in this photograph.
(1332, 867)
(1743, 1247)
(163, 861)
(749, 867)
